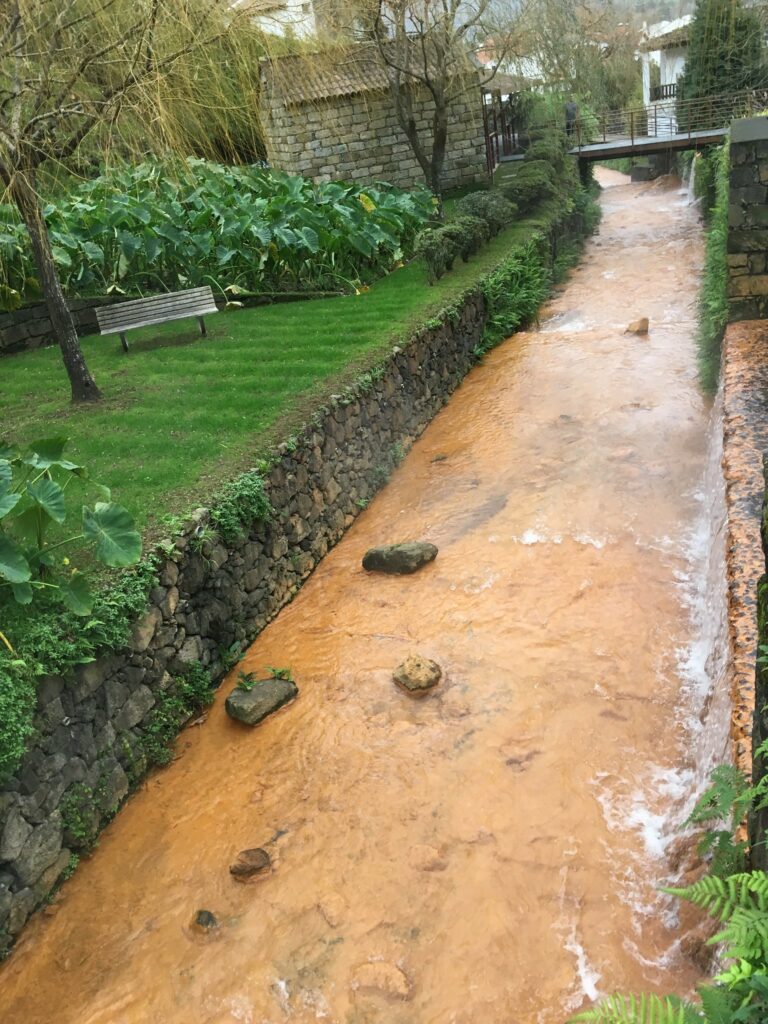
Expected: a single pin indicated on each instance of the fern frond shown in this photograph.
(746, 935)
(721, 897)
(642, 1009)
(727, 797)
(718, 1004)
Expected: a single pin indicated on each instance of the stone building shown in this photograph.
(337, 121)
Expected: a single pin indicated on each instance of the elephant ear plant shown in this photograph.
(39, 534)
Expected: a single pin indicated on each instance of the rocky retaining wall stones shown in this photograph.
(30, 327)
(748, 220)
(209, 597)
(745, 439)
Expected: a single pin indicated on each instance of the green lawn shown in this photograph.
(183, 414)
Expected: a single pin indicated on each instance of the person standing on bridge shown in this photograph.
(571, 117)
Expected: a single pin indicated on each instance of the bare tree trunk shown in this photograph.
(24, 195)
(439, 146)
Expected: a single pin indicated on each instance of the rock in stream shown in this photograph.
(263, 699)
(399, 559)
(417, 675)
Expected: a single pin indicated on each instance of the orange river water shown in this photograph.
(489, 854)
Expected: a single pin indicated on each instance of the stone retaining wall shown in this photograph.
(745, 438)
(209, 597)
(30, 327)
(748, 220)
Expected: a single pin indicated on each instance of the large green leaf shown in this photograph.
(50, 497)
(8, 500)
(49, 452)
(6, 474)
(13, 565)
(22, 593)
(110, 526)
(76, 594)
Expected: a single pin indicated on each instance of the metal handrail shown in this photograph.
(668, 91)
(684, 118)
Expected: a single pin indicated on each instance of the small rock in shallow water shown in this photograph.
(638, 326)
(333, 909)
(383, 980)
(250, 863)
(254, 705)
(205, 921)
(427, 858)
(417, 674)
(399, 559)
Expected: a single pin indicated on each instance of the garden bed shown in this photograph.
(183, 414)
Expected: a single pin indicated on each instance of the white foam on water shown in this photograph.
(531, 537)
(653, 802)
(587, 976)
(241, 1009)
(587, 541)
(478, 588)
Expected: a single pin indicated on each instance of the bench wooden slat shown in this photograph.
(171, 311)
(157, 309)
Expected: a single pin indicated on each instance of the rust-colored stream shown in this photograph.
(490, 853)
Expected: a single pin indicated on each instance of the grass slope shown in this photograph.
(183, 414)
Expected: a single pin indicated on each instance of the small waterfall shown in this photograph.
(690, 185)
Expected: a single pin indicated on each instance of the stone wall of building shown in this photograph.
(358, 138)
(748, 220)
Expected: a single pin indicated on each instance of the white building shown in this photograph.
(663, 50)
(284, 17)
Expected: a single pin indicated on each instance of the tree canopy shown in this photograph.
(725, 51)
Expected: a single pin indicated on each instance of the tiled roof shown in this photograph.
(306, 79)
(675, 37)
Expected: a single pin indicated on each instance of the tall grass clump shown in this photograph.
(713, 298)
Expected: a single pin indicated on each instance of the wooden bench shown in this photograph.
(158, 309)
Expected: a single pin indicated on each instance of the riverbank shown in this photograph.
(161, 636)
(456, 858)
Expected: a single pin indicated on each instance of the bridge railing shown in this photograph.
(660, 120)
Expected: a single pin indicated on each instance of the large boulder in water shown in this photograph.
(400, 559)
(253, 705)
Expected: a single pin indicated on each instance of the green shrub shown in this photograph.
(439, 249)
(533, 181)
(186, 696)
(165, 225)
(243, 502)
(17, 706)
(515, 290)
(713, 297)
(550, 148)
(492, 207)
(469, 233)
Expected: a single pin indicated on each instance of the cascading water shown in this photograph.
(492, 852)
(690, 183)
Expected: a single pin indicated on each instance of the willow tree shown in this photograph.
(71, 69)
(583, 48)
(725, 51)
(427, 47)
